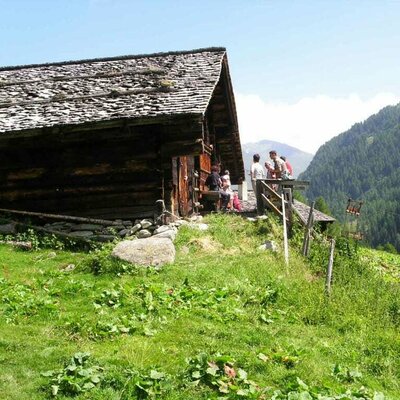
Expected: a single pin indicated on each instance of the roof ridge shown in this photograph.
(115, 58)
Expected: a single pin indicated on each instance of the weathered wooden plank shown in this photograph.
(59, 217)
(271, 191)
(69, 158)
(79, 196)
(72, 172)
(287, 182)
(136, 181)
(120, 212)
(271, 205)
(82, 209)
(101, 125)
(182, 148)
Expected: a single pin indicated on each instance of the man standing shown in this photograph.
(279, 165)
(256, 172)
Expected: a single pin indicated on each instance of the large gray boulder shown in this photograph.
(147, 252)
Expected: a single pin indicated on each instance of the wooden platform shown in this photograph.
(302, 210)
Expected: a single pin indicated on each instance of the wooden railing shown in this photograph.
(269, 195)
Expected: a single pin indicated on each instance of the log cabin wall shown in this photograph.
(109, 173)
(104, 177)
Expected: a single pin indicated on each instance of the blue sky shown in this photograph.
(334, 61)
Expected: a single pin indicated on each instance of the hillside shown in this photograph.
(298, 158)
(363, 163)
(224, 321)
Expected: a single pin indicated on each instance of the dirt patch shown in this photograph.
(206, 244)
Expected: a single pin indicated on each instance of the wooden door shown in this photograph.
(183, 185)
(204, 168)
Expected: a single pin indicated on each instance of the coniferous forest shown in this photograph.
(363, 163)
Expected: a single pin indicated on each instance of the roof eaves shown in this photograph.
(215, 83)
(115, 58)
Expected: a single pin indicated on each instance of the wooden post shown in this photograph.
(242, 191)
(60, 217)
(289, 203)
(330, 269)
(260, 203)
(285, 239)
(307, 233)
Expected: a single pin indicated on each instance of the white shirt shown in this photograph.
(257, 171)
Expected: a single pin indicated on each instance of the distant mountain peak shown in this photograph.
(298, 159)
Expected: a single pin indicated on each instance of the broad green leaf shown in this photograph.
(156, 375)
(95, 379)
(196, 374)
(212, 371)
(305, 396)
(83, 372)
(223, 387)
(54, 390)
(262, 357)
(48, 373)
(149, 332)
(88, 386)
(242, 374)
(301, 384)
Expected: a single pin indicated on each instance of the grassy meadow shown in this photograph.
(226, 320)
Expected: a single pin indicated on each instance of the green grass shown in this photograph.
(222, 296)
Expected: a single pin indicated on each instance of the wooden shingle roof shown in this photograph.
(303, 210)
(78, 92)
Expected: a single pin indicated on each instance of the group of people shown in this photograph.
(222, 184)
(278, 168)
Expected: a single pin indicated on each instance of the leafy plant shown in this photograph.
(287, 358)
(130, 383)
(221, 374)
(110, 298)
(76, 377)
(299, 390)
(346, 374)
(148, 385)
(43, 240)
(100, 261)
(22, 300)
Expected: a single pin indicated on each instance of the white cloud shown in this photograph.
(308, 123)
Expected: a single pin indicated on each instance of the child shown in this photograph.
(226, 188)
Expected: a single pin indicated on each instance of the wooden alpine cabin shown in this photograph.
(108, 137)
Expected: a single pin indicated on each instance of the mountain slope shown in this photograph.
(363, 163)
(298, 158)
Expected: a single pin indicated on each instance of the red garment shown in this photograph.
(236, 202)
(289, 167)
